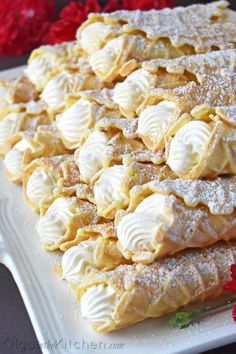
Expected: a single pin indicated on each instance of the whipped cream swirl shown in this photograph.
(154, 122)
(93, 36)
(8, 126)
(111, 191)
(104, 61)
(13, 159)
(91, 155)
(4, 97)
(139, 232)
(188, 147)
(52, 227)
(57, 88)
(98, 304)
(130, 93)
(40, 185)
(74, 122)
(39, 69)
(78, 261)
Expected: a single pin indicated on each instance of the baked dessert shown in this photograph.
(21, 117)
(118, 42)
(62, 220)
(131, 293)
(177, 214)
(169, 74)
(23, 147)
(125, 143)
(47, 178)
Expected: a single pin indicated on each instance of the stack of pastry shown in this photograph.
(125, 142)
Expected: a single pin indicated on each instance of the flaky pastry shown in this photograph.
(132, 293)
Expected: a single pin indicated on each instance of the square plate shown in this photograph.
(52, 306)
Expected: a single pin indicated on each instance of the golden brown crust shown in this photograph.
(164, 286)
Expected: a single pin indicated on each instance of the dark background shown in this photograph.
(14, 320)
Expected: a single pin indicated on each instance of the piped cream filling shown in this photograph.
(8, 126)
(130, 93)
(74, 122)
(188, 146)
(40, 185)
(78, 261)
(98, 304)
(154, 122)
(4, 97)
(39, 69)
(110, 189)
(140, 231)
(52, 227)
(56, 89)
(93, 36)
(104, 60)
(91, 155)
(13, 159)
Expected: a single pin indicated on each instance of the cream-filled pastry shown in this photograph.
(188, 147)
(104, 61)
(131, 293)
(111, 191)
(48, 60)
(39, 187)
(156, 205)
(138, 232)
(130, 94)
(74, 122)
(47, 178)
(4, 96)
(8, 126)
(78, 261)
(13, 160)
(142, 229)
(93, 37)
(91, 155)
(64, 217)
(52, 227)
(98, 303)
(172, 218)
(25, 146)
(154, 123)
(56, 89)
(39, 70)
(97, 251)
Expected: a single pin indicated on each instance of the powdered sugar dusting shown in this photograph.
(192, 25)
(165, 285)
(219, 195)
(196, 64)
(227, 113)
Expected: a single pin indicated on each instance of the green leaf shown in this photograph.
(184, 319)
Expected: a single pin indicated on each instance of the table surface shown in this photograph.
(16, 331)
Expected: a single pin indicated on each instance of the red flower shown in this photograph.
(113, 5)
(92, 6)
(231, 285)
(146, 4)
(234, 313)
(72, 16)
(23, 23)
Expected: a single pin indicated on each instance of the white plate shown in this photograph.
(52, 307)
